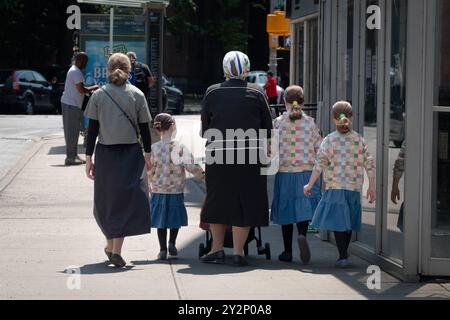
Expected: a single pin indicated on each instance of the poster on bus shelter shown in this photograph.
(98, 52)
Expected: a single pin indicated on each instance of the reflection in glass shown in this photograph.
(393, 220)
(313, 36)
(349, 55)
(368, 233)
(440, 219)
(300, 35)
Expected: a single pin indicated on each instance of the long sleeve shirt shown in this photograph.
(299, 142)
(170, 161)
(342, 159)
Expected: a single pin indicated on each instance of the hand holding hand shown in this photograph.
(371, 194)
(307, 190)
(148, 161)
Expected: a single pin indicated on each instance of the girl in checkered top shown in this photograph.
(170, 161)
(342, 158)
(299, 142)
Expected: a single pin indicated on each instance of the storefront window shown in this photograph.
(349, 55)
(392, 245)
(300, 53)
(312, 62)
(368, 233)
(440, 215)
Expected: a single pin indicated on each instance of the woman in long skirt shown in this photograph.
(118, 113)
(236, 190)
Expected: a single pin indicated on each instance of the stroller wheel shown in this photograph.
(267, 249)
(201, 250)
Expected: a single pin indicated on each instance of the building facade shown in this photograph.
(390, 59)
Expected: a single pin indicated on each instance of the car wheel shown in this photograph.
(29, 106)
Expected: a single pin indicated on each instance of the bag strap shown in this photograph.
(123, 111)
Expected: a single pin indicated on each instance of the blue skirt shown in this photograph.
(338, 210)
(168, 211)
(289, 204)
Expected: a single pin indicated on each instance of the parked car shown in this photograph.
(25, 91)
(174, 97)
(57, 76)
(260, 78)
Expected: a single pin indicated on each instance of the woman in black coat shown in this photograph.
(235, 120)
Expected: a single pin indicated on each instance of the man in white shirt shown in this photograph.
(71, 104)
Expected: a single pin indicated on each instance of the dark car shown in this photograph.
(57, 76)
(174, 97)
(25, 91)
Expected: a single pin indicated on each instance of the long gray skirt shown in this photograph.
(121, 203)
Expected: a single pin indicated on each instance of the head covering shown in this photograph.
(236, 65)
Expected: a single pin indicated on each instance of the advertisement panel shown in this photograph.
(98, 52)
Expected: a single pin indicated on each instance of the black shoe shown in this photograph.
(239, 261)
(75, 162)
(108, 254)
(216, 257)
(173, 252)
(285, 256)
(118, 261)
(305, 253)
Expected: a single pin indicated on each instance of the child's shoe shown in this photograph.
(342, 264)
(162, 255)
(305, 253)
(285, 256)
(173, 250)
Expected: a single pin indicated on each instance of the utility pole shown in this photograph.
(275, 5)
(273, 62)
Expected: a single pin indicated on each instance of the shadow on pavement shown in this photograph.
(103, 268)
(62, 150)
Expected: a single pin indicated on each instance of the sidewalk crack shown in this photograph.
(172, 271)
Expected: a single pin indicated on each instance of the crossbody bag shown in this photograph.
(136, 129)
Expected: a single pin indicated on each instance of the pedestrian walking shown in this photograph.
(71, 104)
(271, 88)
(140, 75)
(342, 158)
(299, 141)
(119, 114)
(236, 193)
(170, 160)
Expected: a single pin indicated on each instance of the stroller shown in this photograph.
(204, 248)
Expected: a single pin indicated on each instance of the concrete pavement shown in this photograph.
(47, 227)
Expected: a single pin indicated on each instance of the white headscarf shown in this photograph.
(236, 65)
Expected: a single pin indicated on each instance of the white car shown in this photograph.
(260, 78)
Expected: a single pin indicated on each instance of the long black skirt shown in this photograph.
(121, 202)
(236, 195)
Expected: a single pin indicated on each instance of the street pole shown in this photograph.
(111, 32)
(273, 54)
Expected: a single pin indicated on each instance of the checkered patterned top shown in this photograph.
(299, 142)
(342, 158)
(170, 161)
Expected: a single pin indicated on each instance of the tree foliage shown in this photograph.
(225, 21)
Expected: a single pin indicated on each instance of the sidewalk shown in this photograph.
(47, 226)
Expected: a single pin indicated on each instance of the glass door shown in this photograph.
(395, 145)
(437, 220)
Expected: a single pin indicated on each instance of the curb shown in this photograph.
(23, 161)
